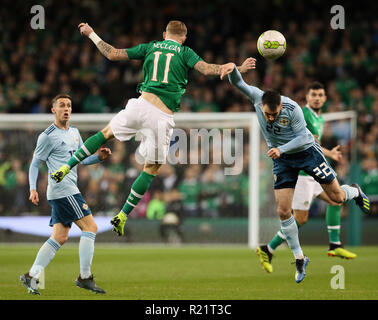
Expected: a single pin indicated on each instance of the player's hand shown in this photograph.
(85, 29)
(248, 64)
(274, 153)
(336, 153)
(34, 198)
(226, 69)
(103, 153)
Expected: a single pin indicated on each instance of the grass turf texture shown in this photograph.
(189, 273)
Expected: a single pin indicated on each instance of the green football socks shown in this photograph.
(333, 223)
(138, 189)
(90, 146)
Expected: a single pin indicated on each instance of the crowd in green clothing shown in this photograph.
(36, 65)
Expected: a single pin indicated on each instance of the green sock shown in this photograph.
(333, 223)
(90, 146)
(279, 238)
(138, 189)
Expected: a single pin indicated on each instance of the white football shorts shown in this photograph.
(305, 191)
(149, 125)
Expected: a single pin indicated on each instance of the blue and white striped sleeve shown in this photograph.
(253, 93)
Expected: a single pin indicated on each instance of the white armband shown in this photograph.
(95, 38)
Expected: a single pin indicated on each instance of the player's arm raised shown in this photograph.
(105, 48)
(209, 69)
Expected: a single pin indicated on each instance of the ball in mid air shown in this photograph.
(271, 44)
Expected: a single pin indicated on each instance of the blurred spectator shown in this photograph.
(95, 102)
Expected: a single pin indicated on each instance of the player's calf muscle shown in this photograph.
(334, 192)
(301, 216)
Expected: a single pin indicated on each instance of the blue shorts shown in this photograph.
(68, 209)
(311, 160)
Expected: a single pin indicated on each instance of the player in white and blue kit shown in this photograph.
(292, 148)
(55, 146)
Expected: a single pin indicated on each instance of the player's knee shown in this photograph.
(337, 197)
(90, 227)
(107, 132)
(152, 168)
(284, 213)
(61, 239)
(94, 228)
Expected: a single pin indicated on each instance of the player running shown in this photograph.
(55, 146)
(292, 148)
(166, 65)
(307, 188)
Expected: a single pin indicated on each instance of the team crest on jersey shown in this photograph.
(76, 139)
(284, 121)
(85, 206)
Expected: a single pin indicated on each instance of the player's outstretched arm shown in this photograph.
(209, 69)
(235, 78)
(105, 48)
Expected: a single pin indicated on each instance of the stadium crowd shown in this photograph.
(35, 65)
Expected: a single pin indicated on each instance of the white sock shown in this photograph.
(45, 254)
(86, 250)
(350, 192)
(290, 231)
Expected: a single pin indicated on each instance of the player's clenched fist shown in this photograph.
(34, 197)
(274, 153)
(85, 29)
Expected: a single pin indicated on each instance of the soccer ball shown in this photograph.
(271, 44)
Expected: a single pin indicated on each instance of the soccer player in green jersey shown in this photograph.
(307, 188)
(166, 65)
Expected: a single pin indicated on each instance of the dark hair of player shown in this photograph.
(177, 28)
(59, 96)
(316, 85)
(272, 99)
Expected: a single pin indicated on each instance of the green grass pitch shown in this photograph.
(190, 273)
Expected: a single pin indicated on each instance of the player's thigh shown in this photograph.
(126, 123)
(284, 174)
(157, 132)
(304, 193)
(284, 200)
(87, 224)
(60, 233)
(317, 166)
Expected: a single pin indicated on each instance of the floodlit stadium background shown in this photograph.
(35, 65)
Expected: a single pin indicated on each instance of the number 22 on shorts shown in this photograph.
(322, 171)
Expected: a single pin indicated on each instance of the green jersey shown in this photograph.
(166, 65)
(314, 123)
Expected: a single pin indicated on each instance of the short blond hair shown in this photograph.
(176, 27)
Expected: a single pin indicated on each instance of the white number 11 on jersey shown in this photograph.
(166, 69)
